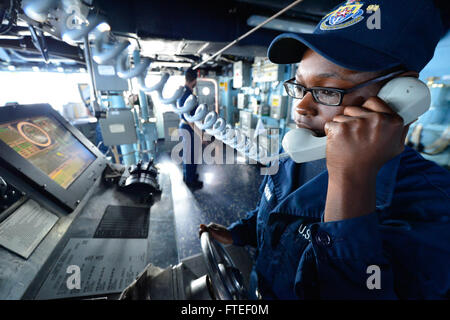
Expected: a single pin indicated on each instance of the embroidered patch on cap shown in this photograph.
(343, 17)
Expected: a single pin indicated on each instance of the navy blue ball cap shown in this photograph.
(368, 36)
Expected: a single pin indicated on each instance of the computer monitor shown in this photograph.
(41, 145)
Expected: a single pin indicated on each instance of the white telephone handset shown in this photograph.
(408, 96)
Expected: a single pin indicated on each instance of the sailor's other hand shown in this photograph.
(217, 231)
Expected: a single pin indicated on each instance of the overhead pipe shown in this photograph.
(208, 121)
(248, 33)
(38, 9)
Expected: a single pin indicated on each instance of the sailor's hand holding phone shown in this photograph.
(363, 139)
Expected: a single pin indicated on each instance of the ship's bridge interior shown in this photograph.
(94, 199)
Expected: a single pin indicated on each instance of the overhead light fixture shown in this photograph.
(60, 69)
(150, 47)
(11, 68)
(170, 64)
(203, 47)
(102, 27)
(281, 25)
(35, 69)
(240, 159)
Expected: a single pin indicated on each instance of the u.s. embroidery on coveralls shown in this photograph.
(301, 257)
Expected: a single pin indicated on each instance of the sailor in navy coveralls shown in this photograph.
(324, 228)
(189, 136)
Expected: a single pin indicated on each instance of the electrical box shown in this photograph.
(171, 123)
(253, 103)
(207, 92)
(265, 71)
(242, 100)
(118, 127)
(270, 140)
(278, 106)
(241, 74)
(248, 122)
(261, 110)
(106, 78)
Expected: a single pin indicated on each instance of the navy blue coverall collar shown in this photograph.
(306, 201)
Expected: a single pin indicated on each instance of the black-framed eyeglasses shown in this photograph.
(329, 96)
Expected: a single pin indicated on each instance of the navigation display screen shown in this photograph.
(46, 144)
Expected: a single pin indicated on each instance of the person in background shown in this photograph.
(190, 135)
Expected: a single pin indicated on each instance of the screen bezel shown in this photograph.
(86, 101)
(74, 193)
